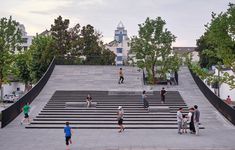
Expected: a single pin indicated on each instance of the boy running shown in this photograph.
(68, 134)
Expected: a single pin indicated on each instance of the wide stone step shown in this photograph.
(121, 103)
(104, 119)
(107, 113)
(102, 111)
(105, 116)
(107, 122)
(106, 108)
(94, 126)
(117, 99)
(115, 107)
(93, 111)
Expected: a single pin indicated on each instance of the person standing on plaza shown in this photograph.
(168, 79)
(163, 94)
(26, 110)
(191, 121)
(196, 119)
(120, 115)
(68, 135)
(121, 76)
(228, 100)
(179, 119)
(145, 102)
(184, 124)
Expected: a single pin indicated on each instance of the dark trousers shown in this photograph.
(163, 98)
(121, 79)
(146, 103)
(192, 127)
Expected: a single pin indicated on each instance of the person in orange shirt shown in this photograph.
(121, 77)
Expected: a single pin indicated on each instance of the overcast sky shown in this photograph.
(184, 18)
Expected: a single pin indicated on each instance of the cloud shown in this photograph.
(184, 18)
(39, 12)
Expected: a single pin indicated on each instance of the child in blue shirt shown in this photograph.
(68, 134)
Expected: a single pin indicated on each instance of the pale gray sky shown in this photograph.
(184, 18)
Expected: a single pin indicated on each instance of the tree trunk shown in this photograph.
(153, 74)
(1, 98)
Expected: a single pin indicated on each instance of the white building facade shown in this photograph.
(120, 45)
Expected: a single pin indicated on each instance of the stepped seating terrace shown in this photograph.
(103, 116)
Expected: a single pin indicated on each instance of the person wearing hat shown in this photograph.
(120, 114)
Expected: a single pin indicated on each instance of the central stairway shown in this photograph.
(103, 116)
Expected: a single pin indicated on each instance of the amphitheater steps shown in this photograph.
(103, 116)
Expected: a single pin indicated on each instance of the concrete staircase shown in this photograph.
(103, 116)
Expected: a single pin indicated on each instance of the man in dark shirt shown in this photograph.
(196, 119)
(163, 93)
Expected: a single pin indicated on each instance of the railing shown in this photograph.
(14, 110)
(219, 104)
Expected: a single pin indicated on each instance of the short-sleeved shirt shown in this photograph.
(163, 92)
(120, 73)
(120, 114)
(67, 131)
(168, 76)
(197, 115)
(26, 109)
(179, 116)
(143, 96)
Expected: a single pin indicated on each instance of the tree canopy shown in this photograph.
(152, 47)
(10, 38)
(217, 45)
(77, 41)
(42, 53)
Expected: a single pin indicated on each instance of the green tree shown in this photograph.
(61, 36)
(75, 37)
(10, 38)
(22, 63)
(93, 49)
(90, 44)
(217, 46)
(107, 57)
(206, 61)
(42, 52)
(153, 46)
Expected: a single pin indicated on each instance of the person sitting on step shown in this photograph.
(88, 100)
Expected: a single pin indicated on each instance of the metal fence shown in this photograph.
(14, 110)
(219, 104)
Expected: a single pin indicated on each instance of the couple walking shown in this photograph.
(163, 93)
(192, 118)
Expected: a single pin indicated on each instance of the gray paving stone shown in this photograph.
(218, 135)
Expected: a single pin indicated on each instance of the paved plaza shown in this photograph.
(218, 133)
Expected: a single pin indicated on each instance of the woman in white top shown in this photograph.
(120, 115)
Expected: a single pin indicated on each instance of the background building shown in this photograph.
(27, 40)
(182, 51)
(120, 45)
